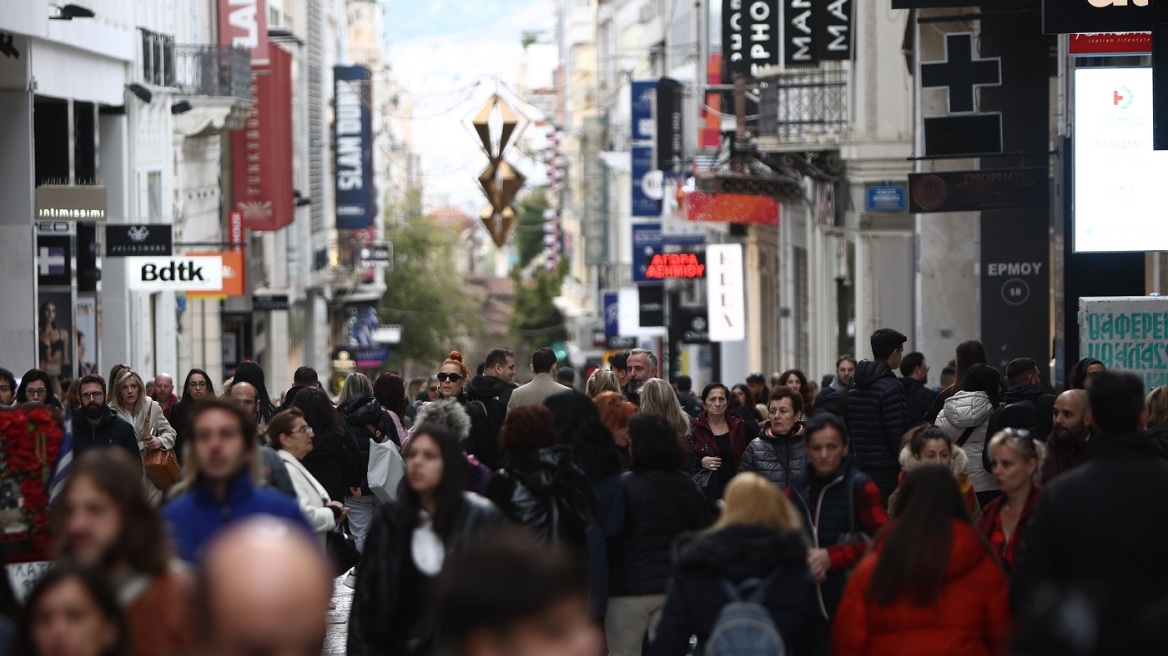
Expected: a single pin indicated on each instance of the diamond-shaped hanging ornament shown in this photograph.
(510, 182)
(482, 126)
(498, 224)
(510, 122)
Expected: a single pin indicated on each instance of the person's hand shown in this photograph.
(355, 492)
(818, 561)
(341, 509)
(710, 462)
(153, 443)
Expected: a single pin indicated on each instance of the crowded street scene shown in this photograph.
(583, 328)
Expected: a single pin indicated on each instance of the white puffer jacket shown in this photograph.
(962, 411)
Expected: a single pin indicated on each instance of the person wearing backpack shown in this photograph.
(1025, 406)
(930, 587)
(742, 587)
(965, 419)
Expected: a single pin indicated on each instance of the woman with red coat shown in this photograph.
(1016, 458)
(930, 585)
(719, 439)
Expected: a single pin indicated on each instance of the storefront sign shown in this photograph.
(157, 274)
(750, 36)
(594, 224)
(686, 266)
(834, 22)
(971, 191)
(652, 305)
(644, 205)
(611, 314)
(138, 240)
(731, 208)
(274, 303)
(70, 203)
(1109, 43)
(1129, 333)
(376, 256)
(244, 24)
(54, 260)
(353, 136)
(726, 293)
(644, 94)
(232, 276)
(670, 141)
(364, 357)
(1078, 16)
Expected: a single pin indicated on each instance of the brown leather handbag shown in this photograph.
(161, 465)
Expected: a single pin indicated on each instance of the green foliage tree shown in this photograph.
(529, 226)
(536, 321)
(423, 293)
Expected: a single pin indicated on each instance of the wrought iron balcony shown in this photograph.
(799, 108)
(213, 71)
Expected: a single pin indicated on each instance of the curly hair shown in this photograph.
(455, 358)
(528, 428)
(449, 414)
(615, 411)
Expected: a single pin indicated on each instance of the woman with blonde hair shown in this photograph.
(1017, 456)
(659, 398)
(128, 398)
(1157, 405)
(757, 552)
(602, 380)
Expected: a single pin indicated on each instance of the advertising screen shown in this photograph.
(1118, 196)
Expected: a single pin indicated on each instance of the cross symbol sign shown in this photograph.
(51, 261)
(960, 73)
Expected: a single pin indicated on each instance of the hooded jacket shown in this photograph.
(877, 416)
(777, 459)
(958, 463)
(970, 410)
(360, 412)
(112, 430)
(1063, 456)
(736, 554)
(918, 399)
(1043, 404)
(548, 494)
(971, 617)
(493, 395)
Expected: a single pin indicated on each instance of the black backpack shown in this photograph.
(1020, 414)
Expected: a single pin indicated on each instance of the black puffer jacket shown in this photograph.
(494, 395)
(777, 459)
(361, 412)
(548, 494)
(375, 624)
(736, 554)
(335, 461)
(876, 416)
(656, 506)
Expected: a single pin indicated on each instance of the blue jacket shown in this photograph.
(877, 412)
(197, 516)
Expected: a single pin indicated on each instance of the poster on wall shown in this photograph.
(86, 340)
(1127, 332)
(55, 338)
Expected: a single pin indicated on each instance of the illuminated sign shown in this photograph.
(675, 265)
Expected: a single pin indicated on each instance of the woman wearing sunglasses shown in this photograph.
(452, 379)
(1017, 467)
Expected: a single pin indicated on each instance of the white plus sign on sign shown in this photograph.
(47, 262)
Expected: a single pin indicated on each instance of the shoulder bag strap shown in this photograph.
(965, 436)
(378, 436)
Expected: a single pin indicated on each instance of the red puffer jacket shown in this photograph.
(970, 618)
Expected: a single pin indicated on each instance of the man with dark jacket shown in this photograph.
(1067, 446)
(845, 371)
(493, 390)
(97, 425)
(1099, 531)
(877, 411)
(1023, 378)
(918, 397)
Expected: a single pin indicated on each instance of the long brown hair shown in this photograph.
(915, 547)
(143, 541)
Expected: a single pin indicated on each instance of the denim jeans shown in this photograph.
(360, 516)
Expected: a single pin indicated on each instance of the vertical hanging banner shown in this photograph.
(353, 139)
(750, 36)
(834, 24)
(595, 222)
(244, 24)
(644, 204)
(670, 141)
(800, 32)
(644, 92)
(726, 292)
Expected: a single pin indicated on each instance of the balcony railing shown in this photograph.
(804, 107)
(216, 71)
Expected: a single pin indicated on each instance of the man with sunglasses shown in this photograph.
(97, 425)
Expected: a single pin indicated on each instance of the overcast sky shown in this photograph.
(447, 54)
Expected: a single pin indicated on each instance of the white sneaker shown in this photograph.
(351, 579)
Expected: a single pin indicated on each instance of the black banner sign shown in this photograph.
(971, 191)
(1015, 286)
(652, 301)
(1076, 16)
(834, 23)
(935, 4)
(269, 303)
(135, 240)
(799, 33)
(670, 140)
(750, 37)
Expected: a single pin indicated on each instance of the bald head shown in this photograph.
(245, 396)
(1072, 409)
(264, 589)
(163, 387)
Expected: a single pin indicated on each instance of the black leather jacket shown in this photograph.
(379, 597)
(548, 494)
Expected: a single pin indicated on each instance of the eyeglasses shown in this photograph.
(36, 391)
(434, 389)
(305, 430)
(454, 378)
(92, 395)
(197, 384)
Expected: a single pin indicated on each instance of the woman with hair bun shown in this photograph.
(452, 379)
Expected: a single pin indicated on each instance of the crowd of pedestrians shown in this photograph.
(472, 515)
